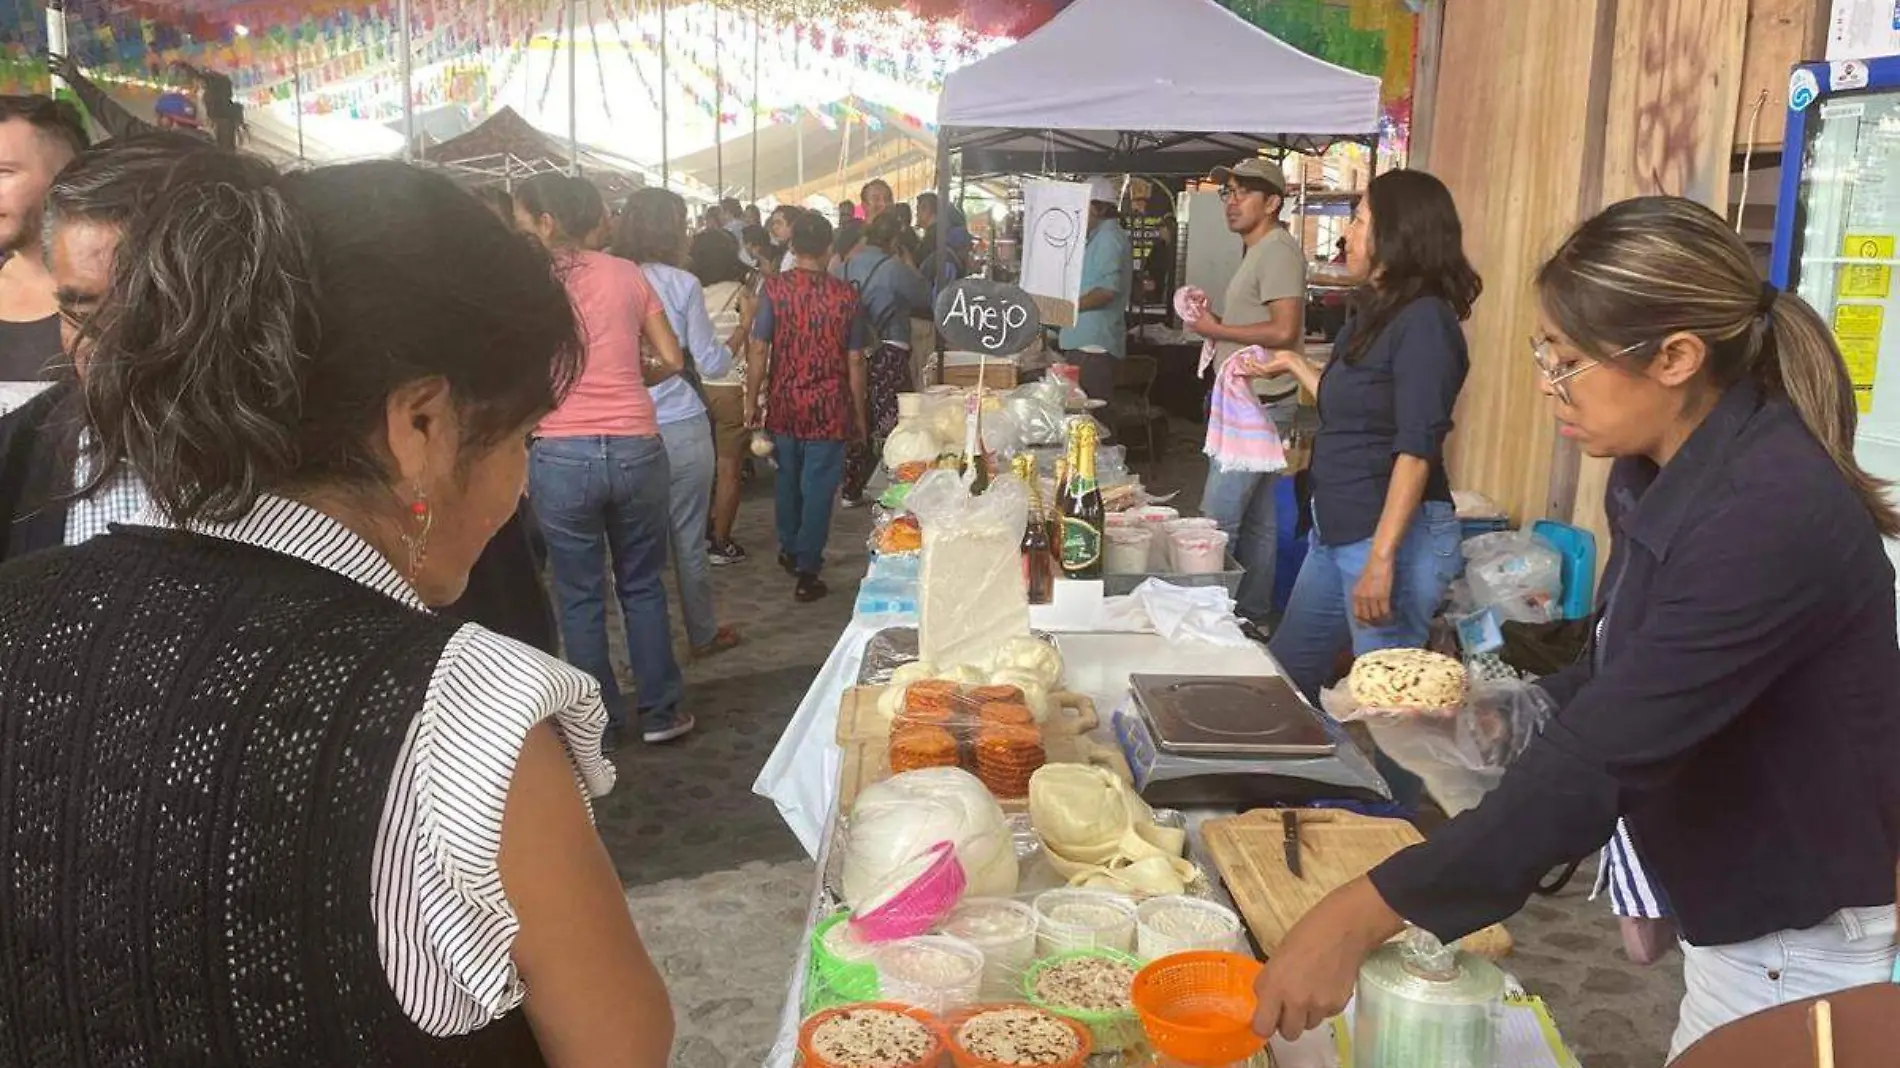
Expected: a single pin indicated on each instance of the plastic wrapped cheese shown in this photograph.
(1029, 655)
(971, 596)
(899, 820)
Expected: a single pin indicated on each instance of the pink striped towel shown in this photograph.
(1240, 434)
(1190, 303)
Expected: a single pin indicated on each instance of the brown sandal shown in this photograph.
(725, 640)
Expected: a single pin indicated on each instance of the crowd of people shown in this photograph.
(272, 639)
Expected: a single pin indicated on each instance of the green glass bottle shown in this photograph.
(1083, 514)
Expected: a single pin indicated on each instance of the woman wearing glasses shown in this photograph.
(1385, 535)
(1736, 710)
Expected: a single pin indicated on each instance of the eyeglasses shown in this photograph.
(1557, 375)
(1231, 193)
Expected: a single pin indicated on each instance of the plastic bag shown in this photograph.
(1039, 418)
(898, 823)
(894, 533)
(972, 599)
(1464, 756)
(1517, 574)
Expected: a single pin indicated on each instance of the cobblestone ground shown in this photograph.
(719, 886)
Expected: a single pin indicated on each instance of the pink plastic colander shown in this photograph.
(920, 905)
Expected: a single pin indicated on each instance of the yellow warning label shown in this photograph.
(1863, 357)
(1871, 280)
(1858, 321)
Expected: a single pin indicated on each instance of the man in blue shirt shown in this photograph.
(1100, 334)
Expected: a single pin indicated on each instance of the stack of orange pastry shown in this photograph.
(1006, 756)
(922, 746)
(1005, 714)
(931, 701)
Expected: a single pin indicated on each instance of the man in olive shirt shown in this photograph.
(1265, 306)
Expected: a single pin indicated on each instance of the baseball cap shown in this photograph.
(177, 107)
(1103, 190)
(1258, 168)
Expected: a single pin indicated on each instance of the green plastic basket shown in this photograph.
(831, 980)
(1110, 1031)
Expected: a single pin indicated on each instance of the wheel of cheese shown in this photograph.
(1407, 680)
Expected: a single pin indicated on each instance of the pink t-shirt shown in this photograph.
(613, 300)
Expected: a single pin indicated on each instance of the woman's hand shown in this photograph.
(1372, 594)
(1281, 362)
(1311, 975)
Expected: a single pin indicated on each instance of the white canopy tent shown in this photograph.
(1161, 87)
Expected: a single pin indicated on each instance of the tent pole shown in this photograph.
(488, 41)
(719, 113)
(944, 134)
(296, 60)
(573, 97)
(56, 37)
(753, 186)
(798, 120)
(666, 155)
(405, 45)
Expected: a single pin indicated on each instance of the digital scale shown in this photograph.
(1200, 741)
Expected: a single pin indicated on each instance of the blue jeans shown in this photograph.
(606, 497)
(809, 474)
(1242, 502)
(689, 458)
(1319, 621)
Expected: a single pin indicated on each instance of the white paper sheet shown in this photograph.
(15, 394)
(1055, 232)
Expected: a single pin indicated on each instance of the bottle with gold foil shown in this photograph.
(1039, 561)
(1083, 515)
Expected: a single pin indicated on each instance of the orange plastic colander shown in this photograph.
(1198, 1007)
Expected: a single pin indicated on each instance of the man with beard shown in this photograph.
(38, 136)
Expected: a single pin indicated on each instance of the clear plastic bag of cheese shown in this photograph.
(1463, 756)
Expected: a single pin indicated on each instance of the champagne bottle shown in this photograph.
(1039, 562)
(1083, 515)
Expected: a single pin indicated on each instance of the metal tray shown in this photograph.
(893, 647)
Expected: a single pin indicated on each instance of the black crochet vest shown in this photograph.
(197, 738)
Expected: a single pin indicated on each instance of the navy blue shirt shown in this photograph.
(1397, 398)
(1741, 711)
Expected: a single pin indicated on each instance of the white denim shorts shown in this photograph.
(1855, 947)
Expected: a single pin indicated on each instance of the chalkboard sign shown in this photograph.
(993, 318)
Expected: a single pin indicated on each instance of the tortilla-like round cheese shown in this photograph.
(1408, 680)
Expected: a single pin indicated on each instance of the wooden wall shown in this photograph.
(1780, 34)
(1675, 87)
(1510, 136)
(1543, 114)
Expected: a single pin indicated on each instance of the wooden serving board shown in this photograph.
(867, 759)
(1336, 847)
(1070, 715)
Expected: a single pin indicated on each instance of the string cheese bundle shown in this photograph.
(971, 597)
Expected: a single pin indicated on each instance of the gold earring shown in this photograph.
(417, 541)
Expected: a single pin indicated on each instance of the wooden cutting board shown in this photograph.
(859, 720)
(1336, 847)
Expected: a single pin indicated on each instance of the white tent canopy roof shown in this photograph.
(1167, 84)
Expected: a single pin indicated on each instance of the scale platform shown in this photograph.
(1216, 741)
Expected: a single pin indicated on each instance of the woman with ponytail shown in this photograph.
(1735, 720)
(262, 804)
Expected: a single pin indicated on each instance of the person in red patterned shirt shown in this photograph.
(808, 342)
